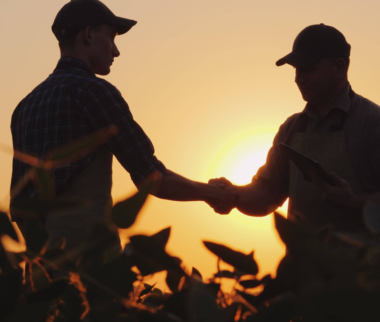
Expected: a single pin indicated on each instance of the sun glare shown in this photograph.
(247, 166)
(240, 159)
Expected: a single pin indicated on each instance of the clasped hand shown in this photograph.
(227, 197)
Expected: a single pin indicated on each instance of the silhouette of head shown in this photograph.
(320, 56)
(86, 29)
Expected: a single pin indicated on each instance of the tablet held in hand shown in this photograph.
(305, 164)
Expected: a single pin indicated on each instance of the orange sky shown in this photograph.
(200, 78)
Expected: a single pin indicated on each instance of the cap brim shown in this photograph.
(298, 59)
(123, 25)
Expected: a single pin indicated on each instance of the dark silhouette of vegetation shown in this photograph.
(100, 281)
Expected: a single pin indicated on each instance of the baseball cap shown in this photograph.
(314, 43)
(78, 14)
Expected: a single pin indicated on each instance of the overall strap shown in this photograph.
(339, 127)
(299, 125)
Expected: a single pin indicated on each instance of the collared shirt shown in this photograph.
(71, 104)
(358, 117)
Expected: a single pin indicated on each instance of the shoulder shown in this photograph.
(105, 96)
(290, 123)
(366, 108)
(288, 127)
(364, 115)
(99, 84)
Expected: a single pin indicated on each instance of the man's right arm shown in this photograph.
(270, 186)
(254, 198)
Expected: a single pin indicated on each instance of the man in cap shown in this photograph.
(338, 128)
(71, 104)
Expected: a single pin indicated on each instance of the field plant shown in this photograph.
(100, 281)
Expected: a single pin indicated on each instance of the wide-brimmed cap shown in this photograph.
(314, 43)
(78, 14)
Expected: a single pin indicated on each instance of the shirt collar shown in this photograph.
(343, 103)
(71, 62)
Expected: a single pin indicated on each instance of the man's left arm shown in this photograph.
(106, 107)
(342, 194)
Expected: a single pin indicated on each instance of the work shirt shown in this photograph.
(71, 104)
(358, 117)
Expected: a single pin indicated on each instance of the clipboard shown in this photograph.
(304, 164)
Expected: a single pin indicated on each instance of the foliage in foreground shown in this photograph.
(102, 282)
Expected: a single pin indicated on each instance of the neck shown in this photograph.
(75, 54)
(324, 107)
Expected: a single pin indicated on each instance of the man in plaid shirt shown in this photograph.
(72, 103)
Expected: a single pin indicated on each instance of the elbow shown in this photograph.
(153, 182)
(257, 210)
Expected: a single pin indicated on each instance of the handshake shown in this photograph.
(224, 197)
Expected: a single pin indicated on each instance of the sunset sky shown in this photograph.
(200, 78)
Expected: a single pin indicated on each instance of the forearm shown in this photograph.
(178, 188)
(360, 201)
(255, 200)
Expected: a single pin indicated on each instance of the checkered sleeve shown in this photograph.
(103, 106)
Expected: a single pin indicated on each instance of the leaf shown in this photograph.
(78, 149)
(44, 183)
(59, 258)
(36, 237)
(102, 245)
(68, 153)
(287, 271)
(10, 284)
(29, 159)
(196, 274)
(251, 299)
(51, 292)
(124, 213)
(214, 288)
(240, 299)
(226, 274)
(147, 289)
(36, 312)
(172, 281)
(348, 305)
(370, 257)
(20, 185)
(24, 207)
(356, 240)
(232, 312)
(273, 288)
(282, 310)
(250, 283)
(290, 233)
(266, 279)
(162, 236)
(39, 276)
(202, 304)
(242, 262)
(324, 233)
(154, 300)
(74, 300)
(116, 275)
(177, 260)
(151, 252)
(6, 227)
(157, 292)
(372, 217)
(145, 316)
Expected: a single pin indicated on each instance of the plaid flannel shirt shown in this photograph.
(71, 104)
